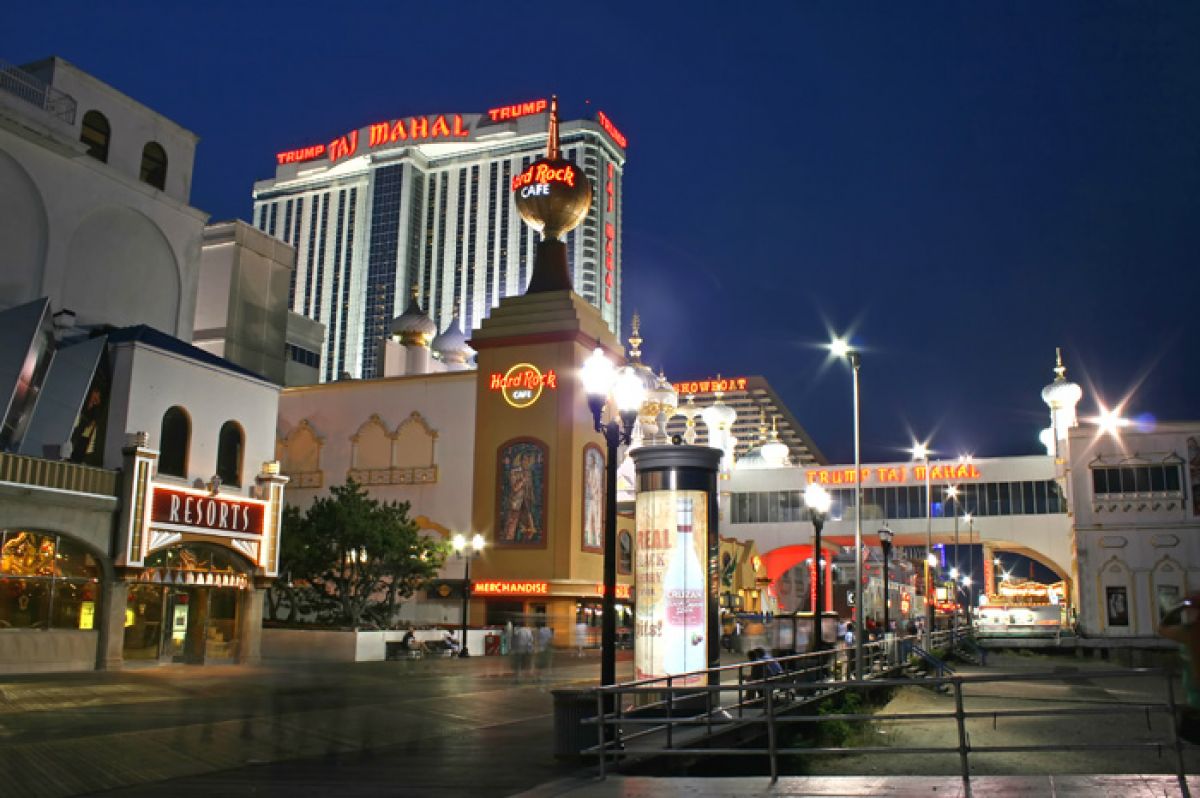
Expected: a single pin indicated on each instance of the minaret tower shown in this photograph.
(1061, 396)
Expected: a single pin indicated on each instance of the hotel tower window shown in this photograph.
(47, 581)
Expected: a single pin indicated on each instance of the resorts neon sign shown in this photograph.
(186, 510)
(506, 588)
(522, 385)
(890, 475)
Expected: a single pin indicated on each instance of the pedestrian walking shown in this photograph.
(544, 645)
(522, 650)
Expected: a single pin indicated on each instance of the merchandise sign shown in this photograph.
(670, 632)
(498, 587)
(522, 385)
(186, 510)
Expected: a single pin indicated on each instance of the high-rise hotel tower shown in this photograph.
(425, 201)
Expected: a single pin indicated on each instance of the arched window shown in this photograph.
(154, 165)
(173, 442)
(229, 453)
(95, 135)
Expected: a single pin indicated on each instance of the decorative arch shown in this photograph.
(112, 249)
(371, 447)
(24, 231)
(779, 565)
(414, 444)
(1168, 580)
(403, 457)
(299, 454)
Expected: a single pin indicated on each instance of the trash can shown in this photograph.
(491, 645)
(572, 706)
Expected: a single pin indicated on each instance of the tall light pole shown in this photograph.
(467, 551)
(885, 543)
(920, 451)
(606, 385)
(817, 499)
(971, 564)
(840, 347)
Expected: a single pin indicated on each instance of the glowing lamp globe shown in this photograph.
(552, 196)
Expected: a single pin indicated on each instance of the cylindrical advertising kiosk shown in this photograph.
(676, 626)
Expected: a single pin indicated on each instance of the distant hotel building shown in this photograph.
(758, 408)
(425, 201)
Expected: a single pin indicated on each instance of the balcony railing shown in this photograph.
(58, 475)
(20, 83)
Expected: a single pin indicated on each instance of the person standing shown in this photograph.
(522, 649)
(544, 645)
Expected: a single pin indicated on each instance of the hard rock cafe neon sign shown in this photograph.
(538, 177)
(522, 385)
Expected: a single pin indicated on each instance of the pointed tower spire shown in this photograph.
(635, 339)
(552, 139)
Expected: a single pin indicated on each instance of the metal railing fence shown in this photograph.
(670, 716)
(20, 83)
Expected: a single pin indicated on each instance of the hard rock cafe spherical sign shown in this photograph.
(552, 196)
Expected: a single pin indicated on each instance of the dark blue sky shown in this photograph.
(966, 185)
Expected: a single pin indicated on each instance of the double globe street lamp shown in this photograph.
(607, 386)
(885, 543)
(818, 500)
(466, 550)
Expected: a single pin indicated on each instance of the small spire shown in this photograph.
(1060, 370)
(552, 140)
(635, 339)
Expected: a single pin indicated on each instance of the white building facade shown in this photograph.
(424, 201)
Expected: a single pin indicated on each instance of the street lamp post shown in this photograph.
(605, 384)
(920, 451)
(817, 499)
(970, 566)
(467, 550)
(841, 348)
(885, 543)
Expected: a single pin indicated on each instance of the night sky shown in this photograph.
(965, 185)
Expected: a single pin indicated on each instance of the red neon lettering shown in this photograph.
(302, 154)
(343, 147)
(398, 132)
(496, 382)
(544, 173)
(459, 130)
(418, 127)
(514, 111)
(440, 128)
(611, 129)
(378, 133)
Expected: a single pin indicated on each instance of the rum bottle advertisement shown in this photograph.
(670, 575)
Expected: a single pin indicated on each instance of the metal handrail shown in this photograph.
(20, 83)
(760, 701)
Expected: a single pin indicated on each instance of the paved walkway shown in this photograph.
(437, 728)
(871, 787)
